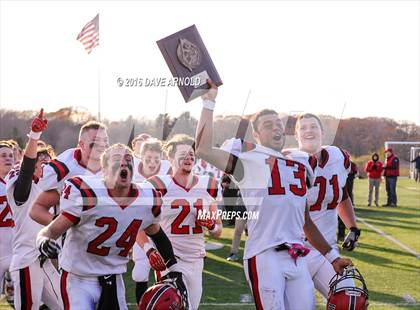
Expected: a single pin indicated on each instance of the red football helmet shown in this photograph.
(161, 296)
(345, 297)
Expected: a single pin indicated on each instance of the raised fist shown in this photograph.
(39, 124)
(211, 93)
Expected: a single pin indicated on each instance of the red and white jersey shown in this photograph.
(103, 231)
(6, 223)
(328, 191)
(65, 166)
(179, 212)
(204, 168)
(138, 177)
(25, 251)
(274, 187)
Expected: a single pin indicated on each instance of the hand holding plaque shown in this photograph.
(189, 62)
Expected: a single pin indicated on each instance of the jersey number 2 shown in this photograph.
(176, 227)
(125, 242)
(9, 222)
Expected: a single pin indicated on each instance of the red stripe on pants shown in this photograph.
(254, 282)
(28, 291)
(64, 295)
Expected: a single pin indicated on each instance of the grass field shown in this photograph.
(392, 274)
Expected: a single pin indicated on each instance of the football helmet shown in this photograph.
(345, 297)
(161, 296)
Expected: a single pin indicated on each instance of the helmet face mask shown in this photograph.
(348, 292)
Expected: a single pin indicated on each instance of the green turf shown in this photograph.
(390, 271)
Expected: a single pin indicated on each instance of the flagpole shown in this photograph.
(99, 87)
(99, 77)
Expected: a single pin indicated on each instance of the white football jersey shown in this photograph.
(327, 192)
(274, 187)
(65, 166)
(6, 223)
(179, 212)
(103, 231)
(26, 229)
(204, 168)
(138, 177)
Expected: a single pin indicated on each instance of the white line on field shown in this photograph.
(240, 304)
(390, 238)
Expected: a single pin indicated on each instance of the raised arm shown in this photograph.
(27, 169)
(204, 138)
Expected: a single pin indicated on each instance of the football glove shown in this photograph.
(155, 260)
(39, 124)
(351, 239)
(49, 248)
(175, 278)
(209, 223)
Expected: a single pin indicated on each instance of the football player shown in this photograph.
(150, 164)
(102, 217)
(327, 198)
(36, 280)
(184, 195)
(274, 185)
(82, 160)
(6, 220)
(137, 143)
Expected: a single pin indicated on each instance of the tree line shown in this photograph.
(359, 136)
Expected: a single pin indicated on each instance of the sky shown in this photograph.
(341, 58)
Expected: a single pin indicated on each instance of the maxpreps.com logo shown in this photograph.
(227, 215)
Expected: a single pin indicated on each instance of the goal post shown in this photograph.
(408, 154)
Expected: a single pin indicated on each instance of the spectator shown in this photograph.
(374, 170)
(240, 226)
(391, 173)
(230, 196)
(350, 180)
(417, 171)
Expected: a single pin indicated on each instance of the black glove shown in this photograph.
(175, 278)
(49, 248)
(351, 239)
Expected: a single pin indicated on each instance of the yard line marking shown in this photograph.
(239, 304)
(390, 238)
(409, 299)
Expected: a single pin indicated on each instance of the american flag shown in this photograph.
(89, 36)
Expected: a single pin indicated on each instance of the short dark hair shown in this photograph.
(256, 117)
(179, 139)
(308, 115)
(91, 125)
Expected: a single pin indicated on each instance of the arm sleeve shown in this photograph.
(234, 166)
(24, 181)
(164, 247)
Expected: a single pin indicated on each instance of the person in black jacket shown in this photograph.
(417, 171)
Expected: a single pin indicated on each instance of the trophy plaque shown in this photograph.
(189, 62)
